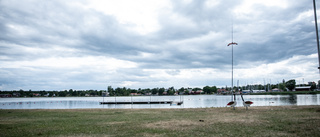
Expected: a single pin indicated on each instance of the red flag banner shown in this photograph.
(232, 43)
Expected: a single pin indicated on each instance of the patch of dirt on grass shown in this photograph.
(111, 123)
(238, 120)
(15, 121)
(175, 124)
(151, 135)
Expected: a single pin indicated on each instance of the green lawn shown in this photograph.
(257, 121)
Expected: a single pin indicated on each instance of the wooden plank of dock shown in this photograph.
(143, 102)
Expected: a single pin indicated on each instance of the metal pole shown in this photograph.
(232, 56)
(232, 43)
(103, 100)
(316, 24)
(232, 71)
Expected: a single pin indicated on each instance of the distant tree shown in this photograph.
(181, 89)
(214, 89)
(172, 88)
(291, 84)
(42, 93)
(121, 91)
(274, 86)
(22, 93)
(62, 93)
(154, 91)
(125, 91)
(133, 91)
(161, 90)
(30, 94)
(50, 94)
(82, 93)
(171, 92)
(196, 89)
(145, 91)
(207, 90)
(140, 91)
(210, 90)
(70, 92)
(260, 87)
(313, 86)
(111, 91)
(282, 86)
(55, 93)
(117, 91)
(75, 93)
(100, 92)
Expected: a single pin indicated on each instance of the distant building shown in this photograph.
(258, 91)
(196, 92)
(5, 95)
(305, 88)
(46, 95)
(36, 95)
(135, 94)
(312, 83)
(105, 94)
(246, 91)
(275, 90)
(222, 91)
(15, 94)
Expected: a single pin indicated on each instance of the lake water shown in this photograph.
(189, 101)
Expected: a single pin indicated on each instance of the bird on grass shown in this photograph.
(246, 103)
(233, 103)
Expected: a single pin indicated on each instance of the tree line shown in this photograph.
(110, 92)
(284, 86)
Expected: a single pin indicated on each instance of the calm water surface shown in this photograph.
(190, 101)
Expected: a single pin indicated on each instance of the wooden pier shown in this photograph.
(144, 102)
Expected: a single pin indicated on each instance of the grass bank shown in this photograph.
(257, 121)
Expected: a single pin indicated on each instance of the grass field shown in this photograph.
(257, 121)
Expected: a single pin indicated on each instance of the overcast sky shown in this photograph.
(92, 44)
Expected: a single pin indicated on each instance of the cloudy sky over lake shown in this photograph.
(91, 44)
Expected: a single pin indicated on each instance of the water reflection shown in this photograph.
(293, 99)
(192, 101)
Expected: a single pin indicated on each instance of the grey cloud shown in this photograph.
(191, 36)
(276, 36)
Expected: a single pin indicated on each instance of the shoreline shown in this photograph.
(263, 93)
(237, 107)
(9, 94)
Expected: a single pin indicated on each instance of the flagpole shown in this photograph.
(316, 24)
(231, 44)
(232, 55)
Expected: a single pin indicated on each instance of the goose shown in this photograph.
(246, 103)
(233, 103)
